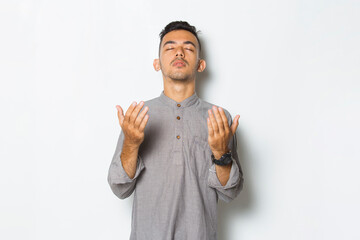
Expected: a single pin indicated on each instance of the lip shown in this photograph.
(179, 63)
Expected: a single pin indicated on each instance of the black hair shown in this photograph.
(179, 25)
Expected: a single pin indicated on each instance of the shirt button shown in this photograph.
(179, 105)
(178, 118)
(178, 136)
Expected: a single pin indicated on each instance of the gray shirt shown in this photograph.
(175, 186)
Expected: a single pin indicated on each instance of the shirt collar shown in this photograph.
(184, 103)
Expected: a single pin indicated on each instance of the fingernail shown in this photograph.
(220, 109)
(134, 103)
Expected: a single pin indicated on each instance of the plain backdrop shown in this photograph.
(290, 68)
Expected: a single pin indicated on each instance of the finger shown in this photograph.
(129, 111)
(235, 124)
(213, 122)
(143, 123)
(136, 111)
(141, 116)
(120, 114)
(218, 119)
(210, 128)
(224, 119)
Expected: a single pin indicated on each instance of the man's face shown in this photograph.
(179, 56)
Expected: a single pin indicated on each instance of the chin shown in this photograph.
(179, 77)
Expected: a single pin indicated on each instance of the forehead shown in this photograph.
(180, 36)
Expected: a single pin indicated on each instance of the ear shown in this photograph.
(201, 65)
(156, 64)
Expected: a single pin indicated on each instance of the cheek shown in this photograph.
(165, 57)
(194, 61)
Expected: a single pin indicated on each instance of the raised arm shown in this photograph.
(127, 164)
(226, 180)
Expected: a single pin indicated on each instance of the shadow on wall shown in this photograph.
(243, 202)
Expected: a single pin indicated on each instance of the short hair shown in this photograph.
(179, 25)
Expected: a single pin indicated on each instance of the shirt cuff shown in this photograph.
(121, 175)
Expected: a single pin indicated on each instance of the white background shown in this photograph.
(289, 68)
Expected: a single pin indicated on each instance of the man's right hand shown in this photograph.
(133, 123)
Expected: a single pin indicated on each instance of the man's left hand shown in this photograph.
(219, 131)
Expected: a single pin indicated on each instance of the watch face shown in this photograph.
(227, 160)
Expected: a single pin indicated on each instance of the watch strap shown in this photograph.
(224, 159)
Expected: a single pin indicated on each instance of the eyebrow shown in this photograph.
(186, 42)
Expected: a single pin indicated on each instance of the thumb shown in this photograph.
(235, 124)
(120, 114)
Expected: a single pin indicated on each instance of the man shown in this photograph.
(176, 152)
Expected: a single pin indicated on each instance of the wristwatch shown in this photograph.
(224, 160)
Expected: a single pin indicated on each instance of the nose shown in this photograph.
(179, 52)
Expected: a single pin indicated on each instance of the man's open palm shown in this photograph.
(219, 130)
(133, 123)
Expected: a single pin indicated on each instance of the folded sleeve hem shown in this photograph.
(234, 178)
(123, 176)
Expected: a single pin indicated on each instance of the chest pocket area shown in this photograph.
(200, 161)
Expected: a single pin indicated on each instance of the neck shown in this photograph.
(179, 90)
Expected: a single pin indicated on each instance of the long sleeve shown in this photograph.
(120, 183)
(235, 183)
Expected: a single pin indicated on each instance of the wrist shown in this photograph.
(130, 145)
(218, 154)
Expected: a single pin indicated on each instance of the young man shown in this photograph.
(176, 152)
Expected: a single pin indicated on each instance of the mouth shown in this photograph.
(179, 63)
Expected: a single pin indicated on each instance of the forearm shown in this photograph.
(129, 155)
(222, 172)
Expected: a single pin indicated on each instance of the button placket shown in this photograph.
(178, 125)
(178, 133)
